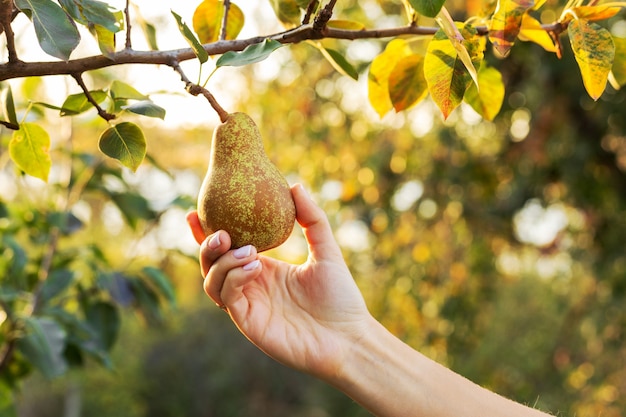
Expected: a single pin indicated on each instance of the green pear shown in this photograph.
(243, 193)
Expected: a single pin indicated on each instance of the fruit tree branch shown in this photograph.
(196, 90)
(224, 30)
(103, 114)
(20, 69)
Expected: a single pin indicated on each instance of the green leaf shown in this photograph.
(445, 72)
(78, 103)
(133, 207)
(124, 142)
(57, 282)
(506, 23)
(43, 345)
(379, 72)
(253, 53)
(340, 63)
(9, 103)
(594, 51)
(161, 282)
(104, 320)
(146, 108)
(55, 32)
(121, 90)
(7, 400)
(428, 8)
(29, 149)
(619, 64)
(101, 14)
(407, 85)
(200, 52)
(208, 17)
(488, 98)
(287, 11)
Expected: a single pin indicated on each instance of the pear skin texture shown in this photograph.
(243, 193)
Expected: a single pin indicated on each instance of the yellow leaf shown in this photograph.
(506, 23)
(532, 31)
(444, 20)
(445, 73)
(345, 24)
(591, 13)
(619, 64)
(594, 51)
(208, 17)
(29, 149)
(378, 77)
(487, 100)
(407, 85)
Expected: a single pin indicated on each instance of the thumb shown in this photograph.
(317, 231)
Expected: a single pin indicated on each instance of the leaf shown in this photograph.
(124, 142)
(191, 39)
(121, 90)
(488, 98)
(133, 206)
(55, 32)
(253, 53)
(43, 345)
(208, 17)
(57, 282)
(104, 320)
(532, 31)
(146, 108)
(591, 13)
(446, 75)
(378, 76)
(78, 103)
(506, 23)
(345, 24)
(287, 11)
(428, 8)
(594, 51)
(106, 40)
(9, 103)
(7, 400)
(444, 20)
(407, 85)
(94, 12)
(161, 282)
(339, 63)
(29, 149)
(619, 64)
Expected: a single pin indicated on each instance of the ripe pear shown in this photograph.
(243, 193)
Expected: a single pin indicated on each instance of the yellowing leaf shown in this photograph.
(591, 13)
(287, 11)
(594, 51)
(506, 23)
(444, 20)
(487, 100)
(407, 85)
(208, 18)
(345, 24)
(446, 75)
(29, 149)
(378, 77)
(532, 31)
(619, 64)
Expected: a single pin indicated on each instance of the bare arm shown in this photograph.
(313, 318)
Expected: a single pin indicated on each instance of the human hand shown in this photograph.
(306, 316)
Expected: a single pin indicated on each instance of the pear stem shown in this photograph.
(196, 90)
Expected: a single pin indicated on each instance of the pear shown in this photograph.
(243, 193)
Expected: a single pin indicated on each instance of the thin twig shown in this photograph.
(310, 9)
(196, 90)
(9, 125)
(6, 17)
(324, 15)
(224, 30)
(101, 112)
(129, 44)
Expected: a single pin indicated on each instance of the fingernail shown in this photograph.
(306, 193)
(242, 252)
(214, 242)
(252, 265)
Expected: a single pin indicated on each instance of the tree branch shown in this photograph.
(19, 69)
(103, 114)
(225, 20)
(196, 90)
(128, 44)
(6, 17)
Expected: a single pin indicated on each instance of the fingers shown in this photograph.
(317, 231)
(194, 225)
(230, 272)
(212, 248)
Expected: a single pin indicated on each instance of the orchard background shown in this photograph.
(471, 157)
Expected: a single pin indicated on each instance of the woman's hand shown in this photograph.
(306, 316)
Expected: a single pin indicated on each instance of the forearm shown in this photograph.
(391, 379)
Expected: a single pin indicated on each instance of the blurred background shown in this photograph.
(495, 248)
